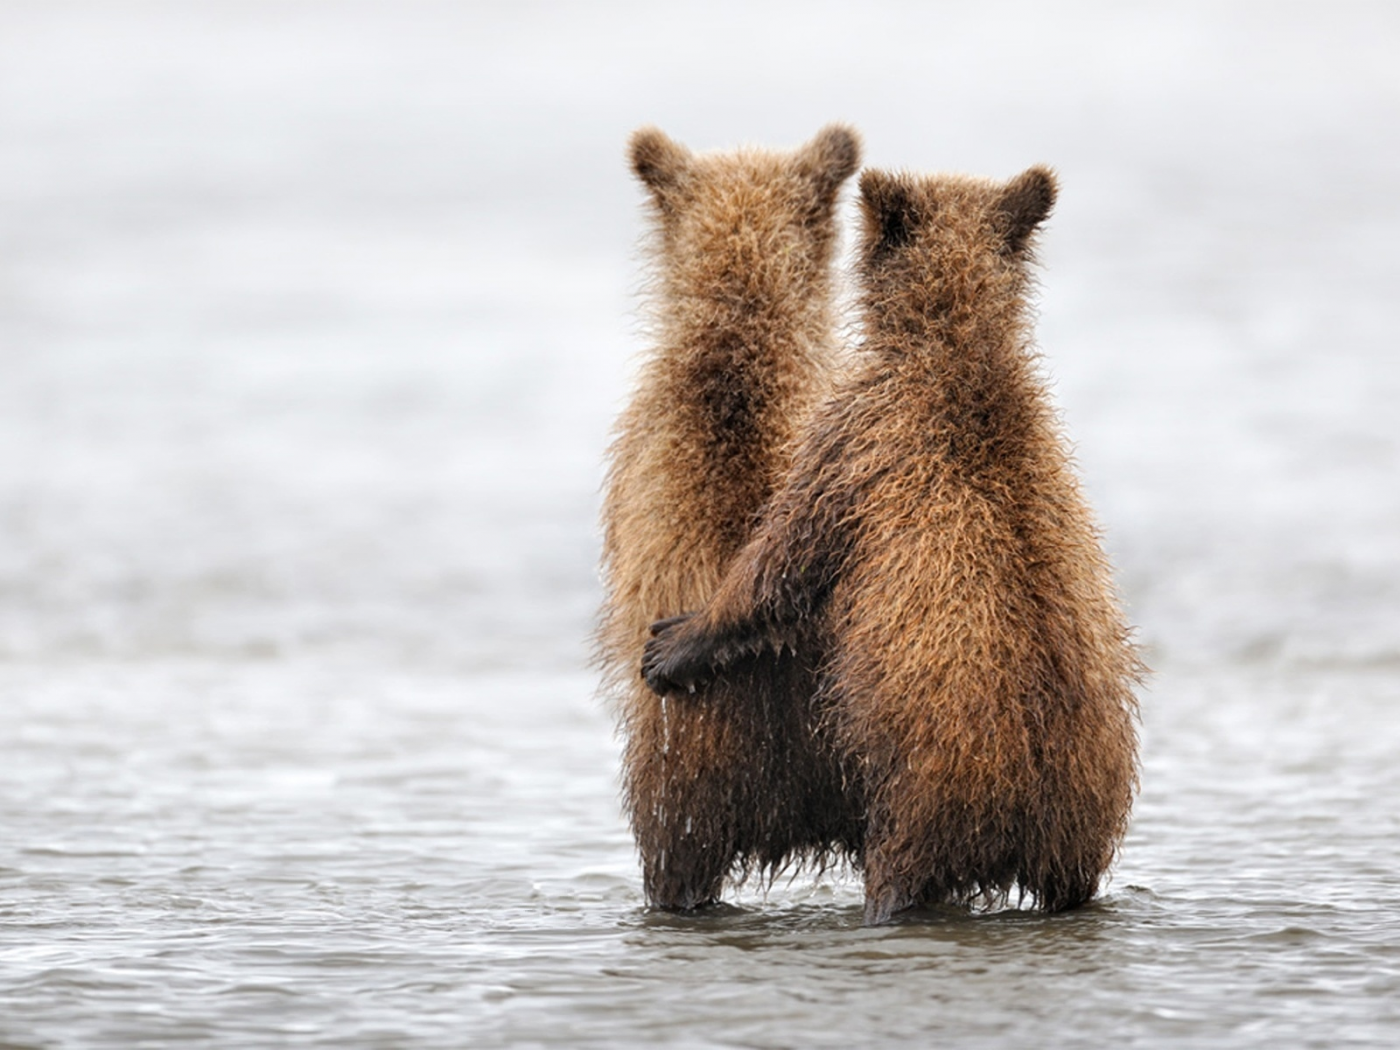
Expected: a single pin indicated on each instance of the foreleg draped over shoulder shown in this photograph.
(773, 593)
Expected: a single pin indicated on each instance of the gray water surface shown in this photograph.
(278, 854)
(313, 319)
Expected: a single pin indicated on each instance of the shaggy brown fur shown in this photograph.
(743, 320)
(932, 552)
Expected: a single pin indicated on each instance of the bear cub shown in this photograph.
(741, 324)
(930, 554)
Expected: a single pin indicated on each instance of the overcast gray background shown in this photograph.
(313, 320)
(313, 316)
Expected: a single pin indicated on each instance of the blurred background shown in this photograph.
(314, 315)
(313, 319)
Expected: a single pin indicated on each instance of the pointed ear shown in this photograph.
(830, 159)
(1024, 203)
(661, 163)
(891, 214)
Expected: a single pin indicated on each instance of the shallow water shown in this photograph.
(313, 319)
(257, 853)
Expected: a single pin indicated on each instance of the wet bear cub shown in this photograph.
(930, 551)
(741, 320)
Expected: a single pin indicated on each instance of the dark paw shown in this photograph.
(671, 662)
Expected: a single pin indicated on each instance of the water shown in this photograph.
(313, 319)
(269, 854)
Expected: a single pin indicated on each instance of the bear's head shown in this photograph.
(745, 227)
(953, 243)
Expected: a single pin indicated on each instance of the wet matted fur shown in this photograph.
(931, 552)
(742, 329)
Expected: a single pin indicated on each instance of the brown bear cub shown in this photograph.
(742, 319)
(931, 553)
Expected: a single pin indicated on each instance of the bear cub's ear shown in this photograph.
(1024, 204)
(891, 213)
(660, 162)
(830, 159)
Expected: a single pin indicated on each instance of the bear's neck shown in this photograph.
(738, 372)
(968, 370)
(768, 342)
(699, 313)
